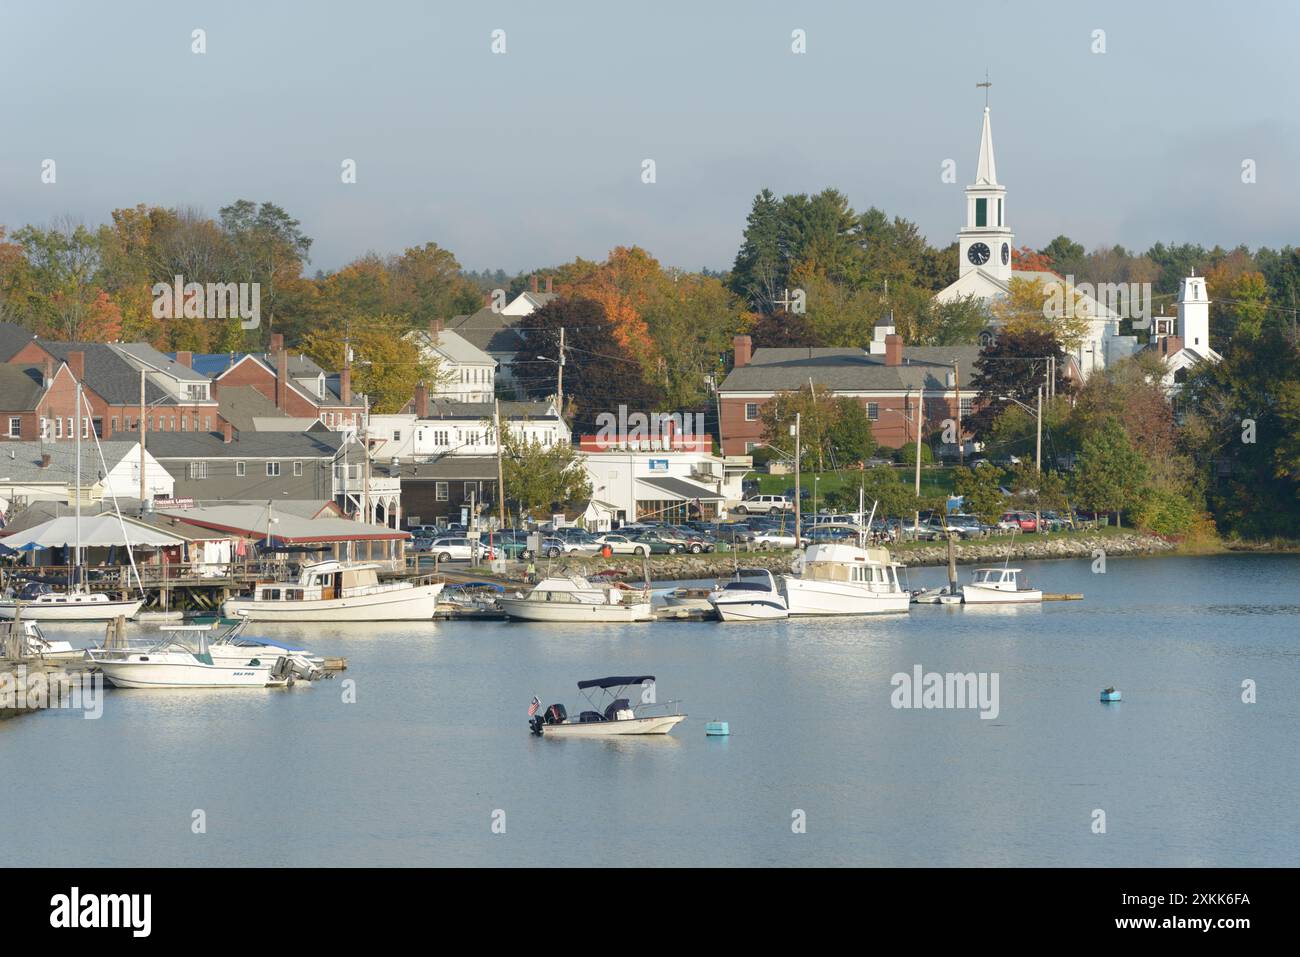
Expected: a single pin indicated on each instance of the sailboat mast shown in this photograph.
(76, 554)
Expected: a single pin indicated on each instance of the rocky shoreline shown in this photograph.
(720, 564)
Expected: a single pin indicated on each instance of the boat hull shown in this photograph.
(71, 611)
(524, 609)
(977, 595)
(143, 674)
(750, 609)
(661, 724)
(417, 603)
(816, 597)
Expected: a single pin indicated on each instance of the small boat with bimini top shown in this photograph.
(618, 717)
(169, 663)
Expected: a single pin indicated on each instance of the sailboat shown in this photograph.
(76, 604)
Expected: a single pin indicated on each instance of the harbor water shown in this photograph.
(432, 763)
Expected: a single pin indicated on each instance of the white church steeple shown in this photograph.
(985, 242)
(1194, 314)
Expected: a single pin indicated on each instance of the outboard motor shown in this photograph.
(536, 722)
(556, 714)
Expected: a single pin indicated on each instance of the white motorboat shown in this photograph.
(618, 717)
(24, 639)
(844, 579)
(998, 586)
(689, 599)
(232, 647)
(70, 606)
(751, 595)
(169, 664)
(573, 598)
(337, 591)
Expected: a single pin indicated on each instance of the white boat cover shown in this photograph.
(101, 531)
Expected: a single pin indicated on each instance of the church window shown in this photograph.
(981, 212)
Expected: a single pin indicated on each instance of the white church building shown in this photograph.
(1184, 341)
(986, 270)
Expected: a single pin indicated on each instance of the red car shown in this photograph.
(1024, 521)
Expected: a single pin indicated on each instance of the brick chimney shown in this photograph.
(281, 372)
(45, 460)
(894, 350)
(49, 371)
(227, 432)
(532, 283)
(1170, 345)
(548, 284)
(487, 300)
(421, 401)
(277, 342)
(345, 377)
(744, 350)
(77, 365)
(435, 328)
(186, 359)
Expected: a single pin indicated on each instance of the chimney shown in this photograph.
(435, 329)
(49, 371)
(277, 342)
(77, 365)
(345, 377)
(532, 283)
(894, 350)
(487, 300)
(1170, 345)
(186, 359)
(227, 432)
(45, 460)
(548, 284)
(421, 400)
(744, 350)
(281, 373)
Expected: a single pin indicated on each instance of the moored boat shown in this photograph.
(839, 578)
(573, 598)
(618, 717)
(750, 595)
(70, 606)
(337, 591)
(998, 586)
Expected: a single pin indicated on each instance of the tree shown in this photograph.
(818, 414)
(783, 330)
(539, 476)
(1013, 366)
(691, 321)
(1110, 473)
(63, 261)
(851, 438)
(268, 247)
(981, 491)
(1053, 309)
(385, 366)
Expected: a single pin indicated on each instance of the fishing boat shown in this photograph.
(170, 664)
(618, 717)
(750, 595)
(336, 591)
(998, 586)
(233, 647)
(839, 578)
(573, 598)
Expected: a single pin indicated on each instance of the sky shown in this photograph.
(534, 156)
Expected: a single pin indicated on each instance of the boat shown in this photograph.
(839, 578)
(71, 606)
(689, 598)
(336, 591)
(24, 639)
(170, 664)
(998, 586)
(618, 717)
(573, 598)
(751, 595)
(232, 647)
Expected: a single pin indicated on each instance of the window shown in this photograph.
(114, 423)
(751, 411)
(981, 212)
(207, 423)
(198, 470)
(45, 427)
(184, 427)
(999, 212)
(273, 469)
(297, 468)
(397, 435)
(15, 426)
(240, 471)
(440, 491)
(873, 411)
(966, 406)
(58, 428)
(471, 488)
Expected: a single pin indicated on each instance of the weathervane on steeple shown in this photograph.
(986, 84)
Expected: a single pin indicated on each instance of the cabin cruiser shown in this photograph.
(337, 591)
(751, 595)
(573, 598)
(617, 717)
(70, 606)
(998, 586)
(838, 578)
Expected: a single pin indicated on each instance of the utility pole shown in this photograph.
(501, 471)
(76, 560)
(961, 445)
(559, 384)
(1038, 458)
(916, 514)
(140, 426)
(798, 468)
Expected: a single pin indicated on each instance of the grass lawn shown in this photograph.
(935, 480)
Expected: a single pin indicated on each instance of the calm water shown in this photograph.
(436, 742)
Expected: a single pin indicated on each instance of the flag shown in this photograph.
(532, 708)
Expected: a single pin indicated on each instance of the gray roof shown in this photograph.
(455, 347)
(12, 338)
(851, 370)
(21, 461)
(108, 374)
(240, 405)
(251, 518)
(21, 387)
(488, 330)
(167, 446)
(454, 467)
(148, 355)
(681, 489)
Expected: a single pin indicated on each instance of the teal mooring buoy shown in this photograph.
(717, 729)
(1110, 694)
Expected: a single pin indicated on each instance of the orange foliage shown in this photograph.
(1030, 260)
(624, 283)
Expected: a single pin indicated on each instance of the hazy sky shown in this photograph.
(534, 157)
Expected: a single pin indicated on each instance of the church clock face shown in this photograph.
(978, 253)
(1006, 254)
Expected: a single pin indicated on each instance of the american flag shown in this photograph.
(532, 708)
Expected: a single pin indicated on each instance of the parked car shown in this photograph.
(455, 549)
(734, 533)
(775, 538)
(772, 504)
(694, 542)
(619, 544)
(657, 544)
(1018, 521)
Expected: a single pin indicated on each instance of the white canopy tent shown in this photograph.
(97, 531)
